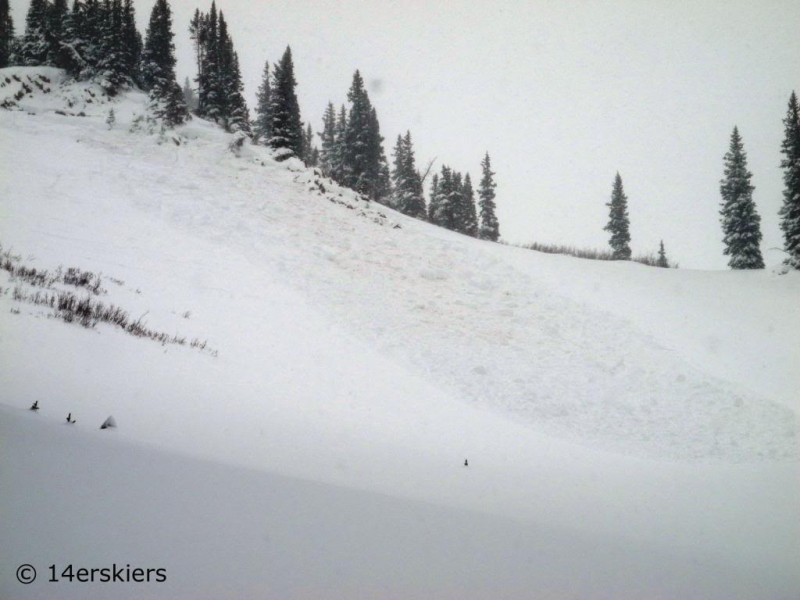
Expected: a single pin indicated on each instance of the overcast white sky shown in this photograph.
(561, 93)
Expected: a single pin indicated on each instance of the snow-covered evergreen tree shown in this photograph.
(310, 150)
(434, 206)
(262, 127)
(406, 180)
(34, 47)
(56, 21)
(470, 215)
(662, 257)
(114, 66)
(131, 42)
(189, 96)
(366, 169)
(489, 227)
(790, 211)
(618, 222)
(340, 169)
(204, 32)
(158, 68)
(287, 126)
(328, 141)
(6, 34)
(741, 224)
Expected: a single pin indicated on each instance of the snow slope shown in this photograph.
(603, 407)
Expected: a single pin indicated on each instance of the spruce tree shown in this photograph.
(34, 47)
(74, 46)
(406, 180)
(189, 97)
(287, 127)
(741, 224)
(441, 209)
(470, 216)
(360, 176)
(339, 167)
(92, 33)
(56, 21)
(489, 227)
(114, 64)
(6, 34)
(618, 222)
(131, 42)
(434, 206)
(790, 211)
(262, 127)
(310, 150)
(327, 156)
(158, 67)
(662, 257)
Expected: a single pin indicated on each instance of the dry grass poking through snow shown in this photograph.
(87, 311)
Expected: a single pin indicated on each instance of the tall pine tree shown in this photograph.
(262, 127)
(340, 169)
(741, 224)
(34, 47)
(618, 222)
(365, 167)
(469, 214)
(406, 180)
(158, 68)
(489, 227)
(328, 140)
(287, 126)
(790, 211)
(662, 257)
(6, 34)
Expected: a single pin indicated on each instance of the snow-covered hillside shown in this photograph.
(631, 432)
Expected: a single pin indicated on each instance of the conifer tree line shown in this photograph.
(351, 153)
(98, 39)
(741, 223)
(219, 80)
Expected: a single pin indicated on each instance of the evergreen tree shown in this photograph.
(73, 48)
(310, 151)
(357, 138)
(189, 97)
(406, 180)
(470, 216)
(6, 34)
(204, 32)
(238, 115)
(662, 257)
(365, 167)
(434, 206)
(131, 42)
(790, 211)
(158, 67)
(489, 227)
(618, 222)
(114, 64)
(328, 140)
(741, 224)
(34, 47)
(56, 21)
(287, 127)
(262, 128)
(441, 209)
(382, 186)
(340, 169)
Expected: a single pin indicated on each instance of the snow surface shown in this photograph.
(631, 431)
